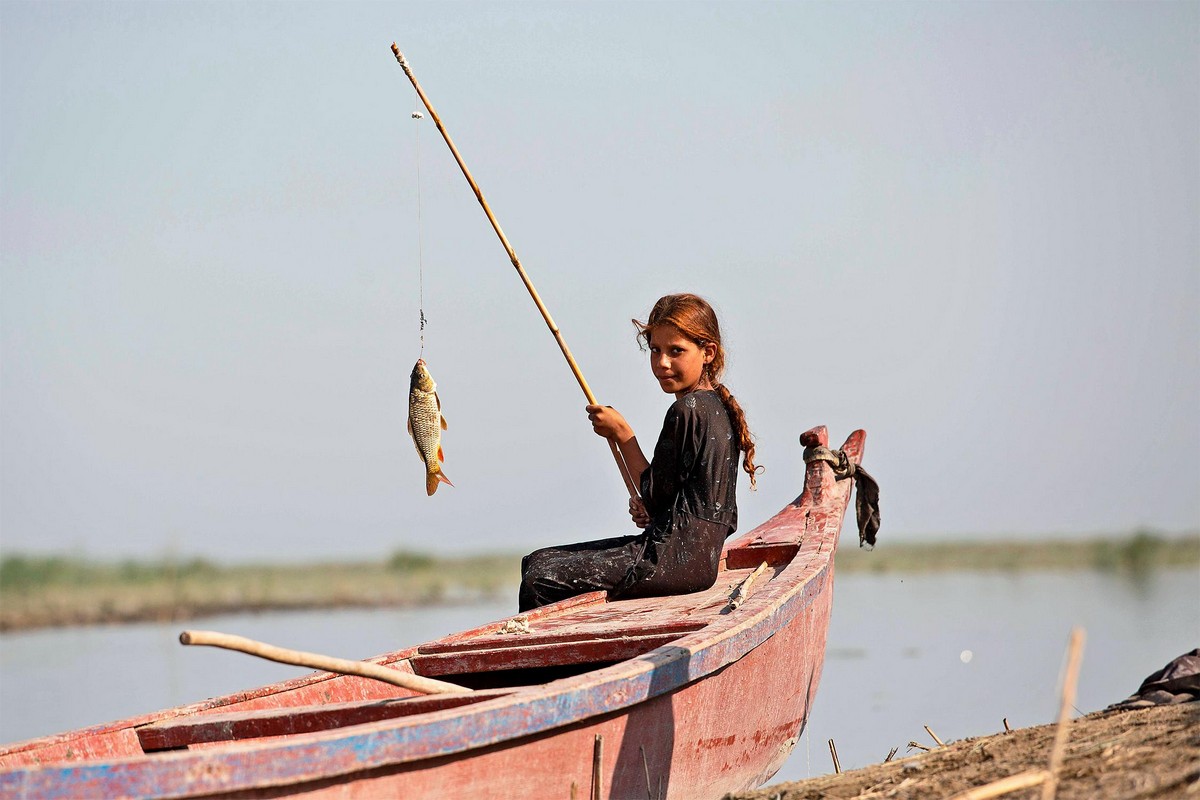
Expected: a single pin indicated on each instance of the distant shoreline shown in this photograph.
(1135, 553)
(56, 591)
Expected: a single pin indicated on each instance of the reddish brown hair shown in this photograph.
(695, 319)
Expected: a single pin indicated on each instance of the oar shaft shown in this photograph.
(516, 262)
(342, 666)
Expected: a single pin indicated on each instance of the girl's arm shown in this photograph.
(608, 422)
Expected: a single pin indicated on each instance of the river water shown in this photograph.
(958, 652)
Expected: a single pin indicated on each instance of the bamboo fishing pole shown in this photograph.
(512, 256)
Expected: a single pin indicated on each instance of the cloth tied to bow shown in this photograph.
(866, 498)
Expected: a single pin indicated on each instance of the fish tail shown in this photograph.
(433, 478)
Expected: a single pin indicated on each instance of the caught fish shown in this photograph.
(426, 423)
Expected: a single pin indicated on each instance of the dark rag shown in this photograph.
(1177, 682)
(866, 506)
(866, 499)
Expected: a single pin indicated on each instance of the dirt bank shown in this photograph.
(1145, 753)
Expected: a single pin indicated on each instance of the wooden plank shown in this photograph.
(570, 634)
(678, 614)
(286, 721)
(774, 553)
(592, 651)
(590, 601)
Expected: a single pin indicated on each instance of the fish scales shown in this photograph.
(426, 423)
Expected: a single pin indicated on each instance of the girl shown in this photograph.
(687, 506)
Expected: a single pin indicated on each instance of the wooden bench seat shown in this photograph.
(590, 633)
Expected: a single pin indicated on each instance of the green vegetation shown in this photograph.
(1137, 555)
(37, 591)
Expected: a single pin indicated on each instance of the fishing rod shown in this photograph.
(512, 256)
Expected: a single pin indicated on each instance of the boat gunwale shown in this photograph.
(531, 710)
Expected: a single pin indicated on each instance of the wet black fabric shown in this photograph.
(866, 506)
(1177, 682)
(689, 492)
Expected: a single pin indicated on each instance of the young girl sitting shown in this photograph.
(688, 505)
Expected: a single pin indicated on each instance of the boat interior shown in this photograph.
(557, 641)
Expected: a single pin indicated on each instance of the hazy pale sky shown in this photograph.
(972, 229)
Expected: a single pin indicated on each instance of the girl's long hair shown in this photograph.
(696, 320)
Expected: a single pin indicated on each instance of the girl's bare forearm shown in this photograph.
(635, 459)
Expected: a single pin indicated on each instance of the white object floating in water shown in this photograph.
(965, 656)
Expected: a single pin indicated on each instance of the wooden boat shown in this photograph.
(672, 697)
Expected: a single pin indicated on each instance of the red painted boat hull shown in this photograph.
(675, 697)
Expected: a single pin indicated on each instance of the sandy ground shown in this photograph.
(1151, 752)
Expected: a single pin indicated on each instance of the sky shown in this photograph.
(971, 229)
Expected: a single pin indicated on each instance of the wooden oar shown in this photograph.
(512, 256)
(342, 666)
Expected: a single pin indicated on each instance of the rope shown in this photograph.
(842, 466)
(866, 499)
(417, 116)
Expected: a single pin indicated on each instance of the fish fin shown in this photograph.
(408, 424)
(432, 479)
(441, 455)
(441, 416)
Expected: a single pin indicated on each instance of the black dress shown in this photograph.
(689, 494)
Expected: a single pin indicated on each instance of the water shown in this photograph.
(960, 652)
(956, 651)
(58, 679)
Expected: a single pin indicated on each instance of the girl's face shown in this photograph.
(678, 362)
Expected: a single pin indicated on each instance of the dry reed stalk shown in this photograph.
(1013, 783)
(929, 730)
(743, 590)
(597, 762)
(1070, 680)
(646, 767)
(1048, 778)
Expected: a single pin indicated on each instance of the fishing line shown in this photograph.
(512, 256)
(417, 116)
